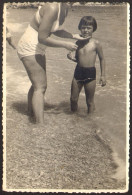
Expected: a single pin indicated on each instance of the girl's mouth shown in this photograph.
(86, 35)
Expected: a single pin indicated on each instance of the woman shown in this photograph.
(31, 50)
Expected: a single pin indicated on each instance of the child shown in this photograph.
(85, 71)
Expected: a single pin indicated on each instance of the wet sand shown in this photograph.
(70, 151)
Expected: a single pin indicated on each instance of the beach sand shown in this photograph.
(71, 151)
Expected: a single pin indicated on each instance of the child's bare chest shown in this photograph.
(88, 48)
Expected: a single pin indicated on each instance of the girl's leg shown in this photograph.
(36, 69)
(75, 90)
(89, 92)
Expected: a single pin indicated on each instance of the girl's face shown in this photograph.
(86, 30)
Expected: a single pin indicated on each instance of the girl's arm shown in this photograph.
(102, 64)
(44, 32)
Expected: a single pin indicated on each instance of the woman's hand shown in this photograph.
(71, 46)
(79, 37)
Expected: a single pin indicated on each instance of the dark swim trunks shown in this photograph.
(85, 75)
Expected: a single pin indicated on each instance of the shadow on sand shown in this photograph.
(62, 107)
(21, 107)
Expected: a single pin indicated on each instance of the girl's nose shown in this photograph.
(86, 29)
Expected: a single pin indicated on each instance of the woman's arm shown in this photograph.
(9, 38)
(102, 63)
(44, 32)
(65, 34)
(11, 42)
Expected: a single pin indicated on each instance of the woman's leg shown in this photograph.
(30, 96)
(75, 90)
(36, 69)
(89, 92)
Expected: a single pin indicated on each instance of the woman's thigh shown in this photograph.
(36, 70)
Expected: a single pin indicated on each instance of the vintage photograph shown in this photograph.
(66, 71)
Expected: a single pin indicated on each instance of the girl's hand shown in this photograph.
(79, 37)
(102, 81)
(71, 46)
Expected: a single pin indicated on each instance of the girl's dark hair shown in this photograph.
(88, 20)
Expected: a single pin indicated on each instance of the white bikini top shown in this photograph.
(55, 26)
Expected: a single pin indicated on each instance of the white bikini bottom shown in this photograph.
(28, 44)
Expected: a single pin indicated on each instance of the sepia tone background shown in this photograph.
(69, 151)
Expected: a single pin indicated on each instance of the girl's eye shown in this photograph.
(86, 28)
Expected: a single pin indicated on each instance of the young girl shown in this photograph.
(85, 71)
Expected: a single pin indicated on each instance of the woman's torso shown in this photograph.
(28, 44)
(38, 17)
